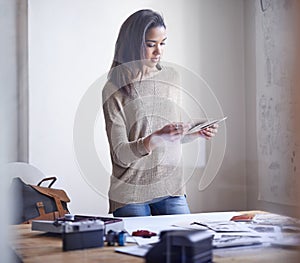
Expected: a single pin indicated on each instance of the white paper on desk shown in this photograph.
(139, 251)
(227, 226)
(274, 219)
(238, 239)
(146, 241)
(189, 225)
(154, 224)
(266, 230)
(160, 223)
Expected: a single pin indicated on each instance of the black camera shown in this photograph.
(82, 234)
(178, 246)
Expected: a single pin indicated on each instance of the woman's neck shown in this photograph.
(147, 71)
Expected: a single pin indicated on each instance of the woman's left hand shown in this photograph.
(209, 132)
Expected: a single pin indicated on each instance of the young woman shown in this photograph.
(141, 104)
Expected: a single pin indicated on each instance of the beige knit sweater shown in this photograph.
(138, 175)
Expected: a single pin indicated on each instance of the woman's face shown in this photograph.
(155, 43)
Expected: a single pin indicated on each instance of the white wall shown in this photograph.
(251, 136)
(71, 44)
(218, 35)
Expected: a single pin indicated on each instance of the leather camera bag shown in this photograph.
(35, 202)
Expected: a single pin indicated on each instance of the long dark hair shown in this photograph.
(130, 47)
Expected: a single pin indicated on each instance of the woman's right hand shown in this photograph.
(171, 132)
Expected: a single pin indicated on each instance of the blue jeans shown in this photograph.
(159, 206)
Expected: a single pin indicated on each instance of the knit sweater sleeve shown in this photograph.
(123, 152)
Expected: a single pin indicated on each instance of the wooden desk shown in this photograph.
(32, 246)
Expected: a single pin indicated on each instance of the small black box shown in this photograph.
(182, 246)
(82, 234)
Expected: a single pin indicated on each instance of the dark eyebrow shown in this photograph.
(149, 40)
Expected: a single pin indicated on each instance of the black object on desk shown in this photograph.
(82, 234)
(182, 246)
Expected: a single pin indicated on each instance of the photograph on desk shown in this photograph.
(224, 226)
(236, 234)
(162, 123)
